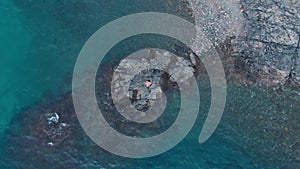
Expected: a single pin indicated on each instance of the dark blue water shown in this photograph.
(40, 41)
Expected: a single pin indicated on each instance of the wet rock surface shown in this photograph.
(140, 95)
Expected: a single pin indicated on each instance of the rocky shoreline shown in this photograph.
(262, 36)
(259, 47)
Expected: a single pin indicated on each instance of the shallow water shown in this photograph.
(40, 41)
(14, 41)
(31, 64)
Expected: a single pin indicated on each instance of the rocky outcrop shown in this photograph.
(141, 77)
(271, 43)
(264, 36)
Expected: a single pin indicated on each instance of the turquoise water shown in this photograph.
(31, 63)
(40, 41)
(15, 40)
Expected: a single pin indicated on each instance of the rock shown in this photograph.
(135, 71)
(50, 144)
(271, 41)
(193, 58)
(264, 36)
(153, 94)
(217, 19)
(297, 69)
(54, 118)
